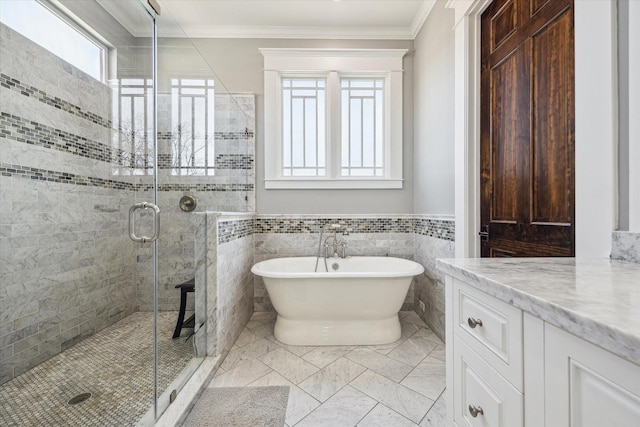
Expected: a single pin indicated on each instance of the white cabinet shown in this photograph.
(587, 386)
(484, 350)
(484, 398)
(509, 368)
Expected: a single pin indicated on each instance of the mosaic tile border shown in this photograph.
(33, 133)
(438, 228)
(354, 225)
(61, 177)
(231, 230)
(226, 136)
(40, 95)
(197, 187)
(233, 161)
(30, 132)
(69, 178)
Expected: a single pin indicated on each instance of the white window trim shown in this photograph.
(332, 64)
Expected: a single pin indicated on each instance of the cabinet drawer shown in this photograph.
(484, 397)
(491, 328)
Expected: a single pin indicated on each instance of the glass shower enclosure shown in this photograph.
(94, 239)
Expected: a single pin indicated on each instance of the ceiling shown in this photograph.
(324, 19)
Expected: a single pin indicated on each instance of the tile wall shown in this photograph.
(67, 262)
(433, 238)
(625, 246)
(224, 248)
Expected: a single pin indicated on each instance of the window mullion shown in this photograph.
(333, 143)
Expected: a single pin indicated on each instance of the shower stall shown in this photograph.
(94, 239)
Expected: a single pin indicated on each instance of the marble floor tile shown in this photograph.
(412, 317)
(381, 416)
(242, 375)
(324, 355)
(408, 329)
(260, 317)
(248, 352)
(345, 408)
(391, 385)
(265, 329)
(428, 334)
(428, 378)
(386, 348)
(439, 352)
(437, 415)
(326, 382)
(298, 350)
(401, 399)
(246, 337)
(413, 350)
(379, 363)
(299, 405)
(290, 366)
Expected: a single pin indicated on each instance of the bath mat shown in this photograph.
(240, 407)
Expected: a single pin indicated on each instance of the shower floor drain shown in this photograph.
(79, 399)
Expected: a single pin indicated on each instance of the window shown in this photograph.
(303, 126)
(362, 127)
(192, 120)
(56, 33)
(333, 118)
(133, 119)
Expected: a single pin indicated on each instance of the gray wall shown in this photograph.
(239, 64)
(434, 114)
(623, 115)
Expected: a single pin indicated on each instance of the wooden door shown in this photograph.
(527, 128)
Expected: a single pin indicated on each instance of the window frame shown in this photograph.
(333, 64)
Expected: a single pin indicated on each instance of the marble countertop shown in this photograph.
(595, 299)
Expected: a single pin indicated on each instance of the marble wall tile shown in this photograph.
(68, 266)
(429, 287)
(625, 246)
(234, 284)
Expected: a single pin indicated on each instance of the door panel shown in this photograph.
(527, 128)
(553, 144)
(509, 138)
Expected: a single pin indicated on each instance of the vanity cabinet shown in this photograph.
(586, 385)
(507, 367)
(485, 367)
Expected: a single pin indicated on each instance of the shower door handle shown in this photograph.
(132, 222)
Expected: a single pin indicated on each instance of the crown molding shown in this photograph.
(421, 17)
(274, 32)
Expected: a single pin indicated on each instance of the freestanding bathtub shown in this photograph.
(355, 303)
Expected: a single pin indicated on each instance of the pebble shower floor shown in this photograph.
(115, 365)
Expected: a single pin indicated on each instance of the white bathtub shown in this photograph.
(355, 304)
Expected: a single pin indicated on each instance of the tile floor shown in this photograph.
(393, 385)
(115, 364)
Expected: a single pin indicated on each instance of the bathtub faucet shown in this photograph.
(335, 243)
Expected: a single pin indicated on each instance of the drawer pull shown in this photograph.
(474, 322)
(475, 410)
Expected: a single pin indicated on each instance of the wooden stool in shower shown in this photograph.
(186, 287)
